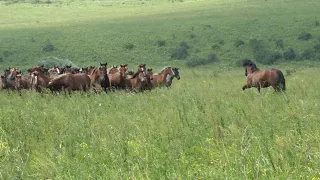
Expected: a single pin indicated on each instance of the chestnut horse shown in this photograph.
(22, 81)
(117, 79)
(70, 82)
(54, 72)
(136, 81)
(263, 78)
(160, 79)
(39, 81)
(99, 76)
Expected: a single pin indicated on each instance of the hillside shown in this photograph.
(87, 32)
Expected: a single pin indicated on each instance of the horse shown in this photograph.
(9, 78)
(39, 81)
(99, 76)
(68, 69)
(160, 79)
(263, 78)
(113, 69)
(147, 85)
(40, 69)
(22, 81)
(170, 78)
(117, 79)
(70, 82)
(136, 81)
(54, 71)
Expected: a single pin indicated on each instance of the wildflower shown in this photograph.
(84, 145)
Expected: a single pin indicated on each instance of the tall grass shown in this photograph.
(204, 127)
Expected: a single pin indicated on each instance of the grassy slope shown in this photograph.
(91, 33)
(203, 127)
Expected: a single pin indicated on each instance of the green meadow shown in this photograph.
(203, 127)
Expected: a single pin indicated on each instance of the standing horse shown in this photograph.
(99, 76)
(160, 79)
(39, 81)
(169, 78)
(117, 79)
(22, 81)
(54, 72)
(263, 78)
(136, 81)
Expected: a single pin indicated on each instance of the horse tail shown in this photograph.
(281, 81)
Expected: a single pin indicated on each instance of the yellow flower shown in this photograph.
(84, 145)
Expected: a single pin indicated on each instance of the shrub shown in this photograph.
(256, 45)
(192, 36)
(179, 53)
(50, 61)
(317, 47)
(215, 46)
(48, 46)
(196, 61)
(238, 43)
(267, 57)
(1, 59)
(184, 44)
(212, 58)
(304, 36)
(279, 43)
(317, 23)
(128, 46)
(289, 54)
(221, 42)
(161, 43)
(7, 54)
(308, 54)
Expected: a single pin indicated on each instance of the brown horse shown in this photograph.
(136, 81)
(54, 71)
(70, 82)
(113, 69)
(39, 81)
(99, 76)
(9, 78)
(160, 79)
(117, 79)
(22, 81)
(263, 78)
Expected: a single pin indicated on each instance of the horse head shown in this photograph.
(249, 66)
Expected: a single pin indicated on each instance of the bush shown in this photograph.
(1, 59)
(128, 46)
(256, 45)
(48, 46)
(179, 53)
(221, 42)
(194, 62)
(184, 44)
(317, 23)
(308, 54)
(317, 47)
(49, 62)
(215, 46)
(289, 54)
(267, 57)
(161, 43)
(279, 43)
(304, 36)
(238, 43)
(7, 54)
(192, 36)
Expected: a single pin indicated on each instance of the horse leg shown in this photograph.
(246, 86)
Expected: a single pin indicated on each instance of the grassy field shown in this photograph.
(203, 127)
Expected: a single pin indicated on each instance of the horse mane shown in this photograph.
(135, 74)
(163, 69)
(250, 63)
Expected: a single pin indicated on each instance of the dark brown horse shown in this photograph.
(263, 78)
(70, 82)
(169, 78)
